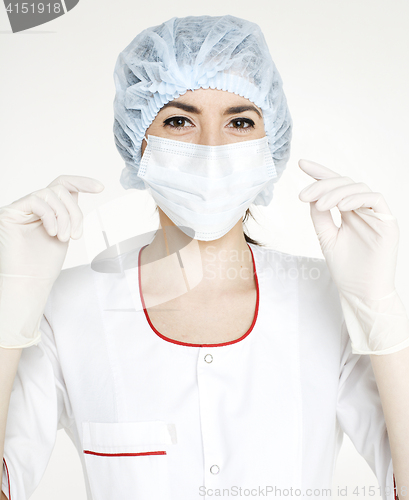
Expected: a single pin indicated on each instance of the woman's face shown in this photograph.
(209, 117)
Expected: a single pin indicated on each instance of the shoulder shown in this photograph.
(307, 277)
(83, 290)
(300, 266)
(70, 289)
(72, 282)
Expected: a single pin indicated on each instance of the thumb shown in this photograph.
(78, 183)
(324, 226)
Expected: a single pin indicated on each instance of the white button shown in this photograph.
(214, 469)
(208, 358)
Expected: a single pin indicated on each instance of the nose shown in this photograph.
(211, 136)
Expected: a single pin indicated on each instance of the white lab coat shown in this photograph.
(155, 419)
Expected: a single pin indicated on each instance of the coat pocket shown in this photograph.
(128, 460)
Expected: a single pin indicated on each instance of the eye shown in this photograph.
(177, 122)
(241, 123)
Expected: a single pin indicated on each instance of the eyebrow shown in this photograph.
(239, 109)
(193, 109)
(186, 107)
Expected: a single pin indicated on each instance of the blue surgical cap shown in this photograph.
(163, 62)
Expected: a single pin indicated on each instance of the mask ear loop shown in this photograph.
(147, 143)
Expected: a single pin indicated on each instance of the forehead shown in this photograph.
(214, 97)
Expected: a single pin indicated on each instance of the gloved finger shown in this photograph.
(316, 170)
(325, 228)
(319, 188)
(62, 217)
(33, 204)
(361, 219)
(335, 197)
(78, 184)
(74, 228)
(372, 200)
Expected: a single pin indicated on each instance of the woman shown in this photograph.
(239, 377)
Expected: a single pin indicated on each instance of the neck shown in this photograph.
(222, 264)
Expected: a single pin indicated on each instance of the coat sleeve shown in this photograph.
(360, 415)
(39, 406)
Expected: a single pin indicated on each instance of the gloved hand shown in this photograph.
(34, 235)
(361, 256)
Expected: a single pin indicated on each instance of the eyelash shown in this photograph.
(167, 123)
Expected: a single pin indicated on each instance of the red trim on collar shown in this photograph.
(199, 345)
(142, 454)
(8, 477)
(394, 489)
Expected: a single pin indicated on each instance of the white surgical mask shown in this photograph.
(206, 188)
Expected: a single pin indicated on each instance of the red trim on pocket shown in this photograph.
(8, 477)
(394, 489)
(125, 454)
(199, 345)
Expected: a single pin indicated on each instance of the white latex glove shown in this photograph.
(34, 235)
(361, 256)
